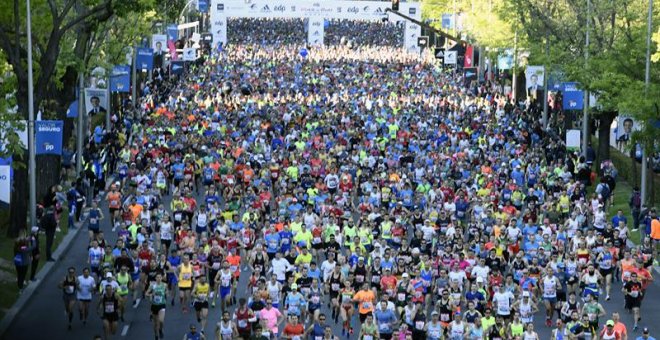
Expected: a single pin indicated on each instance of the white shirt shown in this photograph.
(85, 287)
(503, 300)
(280, 267)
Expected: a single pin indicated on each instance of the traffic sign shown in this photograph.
(423, 41)
(439, 54)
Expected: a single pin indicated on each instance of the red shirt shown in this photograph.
(296, 329)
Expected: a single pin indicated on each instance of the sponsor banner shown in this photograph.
(315, 31)
(5, 186)
(48, 137)
(120, 78)
(145, 58)
(219, 29)
(356, 10)
(573, 97)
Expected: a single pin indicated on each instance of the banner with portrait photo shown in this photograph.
(48, 137)
(159, 46)
(96, 101)
(625, 127)
(534, 77)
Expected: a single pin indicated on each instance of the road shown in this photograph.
(43, 317)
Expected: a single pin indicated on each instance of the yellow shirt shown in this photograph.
(185, 276)
(303, 259)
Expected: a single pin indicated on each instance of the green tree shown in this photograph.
(63, 33)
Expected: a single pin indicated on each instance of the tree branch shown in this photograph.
(101, 11)
(53, 8)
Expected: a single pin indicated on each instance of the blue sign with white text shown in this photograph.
(176, 67)
(203, 6)
(145, 58)
(120, 78)
(446, 21)
(48, 137)
(573, 97)
(172, 32)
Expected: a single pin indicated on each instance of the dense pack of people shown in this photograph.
(364, 33)
(356, 190)
(266, 31)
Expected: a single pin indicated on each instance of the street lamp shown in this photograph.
(32, 165)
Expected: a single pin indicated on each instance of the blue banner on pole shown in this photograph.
(176, 67)
(172, 32)
(303, 52)
(446, 21)
(145, 58)
(120, 79)
(72, 111)
(203, 6)
(573, 97)
(48, 137)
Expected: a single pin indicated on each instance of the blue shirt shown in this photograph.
(384, 319)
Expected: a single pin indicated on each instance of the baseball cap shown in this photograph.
(405, 275)
(294, 286)
(436, 313)
(35, 229)
(525, 294)
(108, 275)
(645, 331)
(480, 279)
(610, 323)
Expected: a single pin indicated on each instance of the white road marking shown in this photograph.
(124, 331)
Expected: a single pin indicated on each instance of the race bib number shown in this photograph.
(109, 307)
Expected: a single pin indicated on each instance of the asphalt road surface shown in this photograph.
(43, 317)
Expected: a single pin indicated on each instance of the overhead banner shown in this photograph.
(145, 58)
(353, 10)
(5, 186)
(315, 31)
(96, 101)
(48, 137)
(176, 67)
(573, 97)
(468, 61)
(451, 57)
(120, 78)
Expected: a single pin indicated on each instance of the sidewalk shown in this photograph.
(47, 268)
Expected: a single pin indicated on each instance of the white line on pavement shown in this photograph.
(124, 331)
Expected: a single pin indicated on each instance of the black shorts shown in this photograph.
(318, 246)
(386, 336)
(633, 302)
(167, 243)
(199, 305)
(113, 211)
(561, 295)
(111, 317)
(605, 272)
(363, 317)
(185, 289)
(155, 309)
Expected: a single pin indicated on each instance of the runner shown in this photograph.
(69, 288)
(201, 293)
(85, 289)
(157, 292)
(108, 309)
(225, 329)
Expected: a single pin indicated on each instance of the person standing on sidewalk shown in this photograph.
(635, 203)
(34, 244)
(22, 253)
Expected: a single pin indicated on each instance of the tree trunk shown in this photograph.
(605, 120)
(19, 199)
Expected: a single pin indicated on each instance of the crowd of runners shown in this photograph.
(362, 186)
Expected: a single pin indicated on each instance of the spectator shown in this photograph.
(22, 258)
(635, 203)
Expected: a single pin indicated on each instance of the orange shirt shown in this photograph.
(366, 299)
(114, 200)
(293, 330)
(136, 210)
(655, 229)
(235, 264)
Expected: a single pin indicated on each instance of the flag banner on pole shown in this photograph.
(72, 111)
(48, 137)
(5, 186)
(176, 67)
(145, 58)
(172, 48)
(573, 97)
(469, 55)
(203, 6)
(120, 78)
(172, 32)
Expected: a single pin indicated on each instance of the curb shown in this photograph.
(28, 292)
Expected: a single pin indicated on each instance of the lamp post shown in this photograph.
(647, 80)
(32, 166)
(585, 109)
